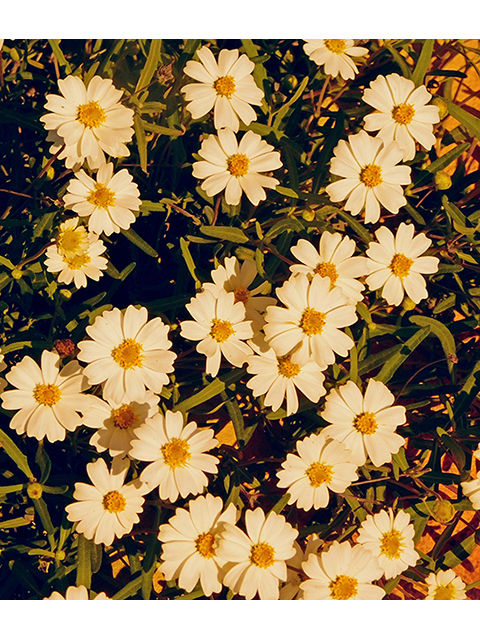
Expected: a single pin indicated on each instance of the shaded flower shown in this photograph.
(335, 55)
(445, 585)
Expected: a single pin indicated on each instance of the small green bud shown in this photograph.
(408, 304)
(442, 107)
(290, 81)
(442, 180)
(60, 555)
(443, 511)
(17, 274)
(308, 215)
(66, 293)
(35, 491)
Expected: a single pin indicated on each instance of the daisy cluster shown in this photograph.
(287, 343)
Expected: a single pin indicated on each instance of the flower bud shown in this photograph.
(17, 274)
(442, 107)
(308, 215)
(443, 511)
(408, 304)
(66, 294)
(442, 180)
(35, 491)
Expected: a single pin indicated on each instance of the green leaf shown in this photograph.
(423, 62)
(286, 107)
(356, 226)
(84, 568)
(141, 142)
(14, 488)
(331, 141)
(164, 131)
(129, 590)
(14, 452)
(443, 334)
(43, 461)
(43, 223)
(377, 359)
(42, 510)
(229, 234)
(458, 554)
(470, 122)
(14, 522)
(55, 44)
(135, 239)
(400, 60)
(187, 256)
(439, 164)
(391, 366)
(281, 504)
(210, 391)
(290, 224)
(151, 65)
(468, 392)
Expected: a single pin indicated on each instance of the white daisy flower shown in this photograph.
(445, 585)
(76, 593)
(335, 55)
(109, 508)
(115, 422)
(402, 113)
(176, 453)
(49, 399)
(396, 262)
(295, 575)
(322, 465)
(471, 489)
(227, 86)
(390, 539)
(220, 326)
(476, 453)
(236, 167)
(77, 267)
(90, 121)
(128, 353)
(255, 561)
(72, 238)
(311, 321)
(342, 573)
(365, 424)
(189, 543)
(238, 278)
(372, 176)
(279, 377)
(334, 259)
(109, 200)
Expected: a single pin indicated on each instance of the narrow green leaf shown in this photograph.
(331, 141)
(96, 555)
(469, 390)
(139, 242)
(127, 271)
(141, 142)
(443, 334)
(84, 567)
(129, 590)
(14, 522)
(55, 45)
(423, 62)
(164, 131)
(415, 215)
(377, 359)
(210, 391)
(281, 504)
(286, 107)
(400, 60)
(290, 224)
(44, 462)
(187, 256)
(151, 65)
(458, 554)
(470, 122)
(356, 226)
(229, 234)
(42, 510)
(391, 366)
(14, 488)
(14, 452)
(43, 223)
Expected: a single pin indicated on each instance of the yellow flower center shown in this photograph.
(238, 165)
(327, 270)
(72, 241)
(204, 545)
(371, 175)
(77, 262)
(242, 295)
(100, 196)
(319, 473)
(312, 322)
(114, 502)
(123, 417)
(392, 544)
(221, 330)
(287, 368)
(366, 423)
(335, 46)
(403, 113)
(47, 394)
(176, 453)
(129, 354)
(400, 265)
(343, 588)
(262, 555)
(445, 592)
(225, 86)
(91, 114)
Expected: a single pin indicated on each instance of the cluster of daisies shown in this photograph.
(287, 343)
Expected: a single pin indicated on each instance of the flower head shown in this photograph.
(109, 508)
(76, 593)
(236, 167)
(342, 573)
(189, 543)
(176, 454)
(128, 353)
(322, 465)
(396, 262)
(471, 489)
(295, 576)
(402, 113)
(108, 201)
(220, 326)
(334, 259)
(445, 585)
(226, 85)
(390, 538)
(371, 176)
(89, 121)
(310, 323)
(364, 423)
(49, 399)
(335, 55)
(254, 562)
